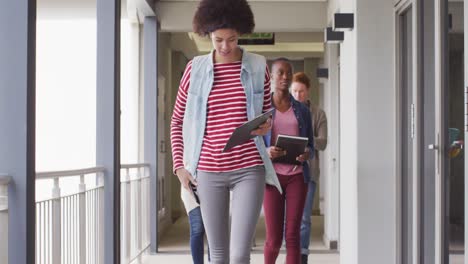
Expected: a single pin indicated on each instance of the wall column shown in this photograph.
(108, 121)
(17, 123)
(150, 53)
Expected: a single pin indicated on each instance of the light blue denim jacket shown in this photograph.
(201, 82)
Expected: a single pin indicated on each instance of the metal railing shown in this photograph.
(4, 182)
(69, 228)
(135, 211)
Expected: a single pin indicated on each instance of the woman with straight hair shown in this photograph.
(219, 92)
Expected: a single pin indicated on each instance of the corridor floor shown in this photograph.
(174, 245)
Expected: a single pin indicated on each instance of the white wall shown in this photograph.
(329, 160)
(333, 7)
(348, 145)
(376, 134)
(367, 133)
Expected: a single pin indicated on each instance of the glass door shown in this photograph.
(406, 133)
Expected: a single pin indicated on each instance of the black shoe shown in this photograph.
(304, 259)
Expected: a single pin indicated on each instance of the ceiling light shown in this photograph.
(333, 36)
(343, 22)
(322, 74)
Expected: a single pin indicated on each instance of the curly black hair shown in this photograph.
(212, 15)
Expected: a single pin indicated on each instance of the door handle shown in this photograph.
(433, 147)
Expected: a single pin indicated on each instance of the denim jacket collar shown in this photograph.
(294, 104)
(244, 60)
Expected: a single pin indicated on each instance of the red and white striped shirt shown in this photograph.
(226, 110)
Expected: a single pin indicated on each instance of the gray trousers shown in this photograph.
(247, 186)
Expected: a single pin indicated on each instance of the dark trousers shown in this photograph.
(197, 234)
(293, 198)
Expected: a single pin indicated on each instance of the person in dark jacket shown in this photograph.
(289, 118)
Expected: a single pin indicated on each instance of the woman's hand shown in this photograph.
(275, 152)
(304, 156)
(262, 129)
(185, 177)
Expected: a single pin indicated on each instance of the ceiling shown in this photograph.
(295, 38)
(297, 46)
(270, 16)
(298, 24)
(250, 1)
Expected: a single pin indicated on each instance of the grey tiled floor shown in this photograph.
(174, 245)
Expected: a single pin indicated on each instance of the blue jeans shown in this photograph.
(306, 219)
(197, 234)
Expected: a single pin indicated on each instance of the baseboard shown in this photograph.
(331, 244)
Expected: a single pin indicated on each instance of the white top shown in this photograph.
(187, 198)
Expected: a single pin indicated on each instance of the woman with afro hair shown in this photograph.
(219, 92)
